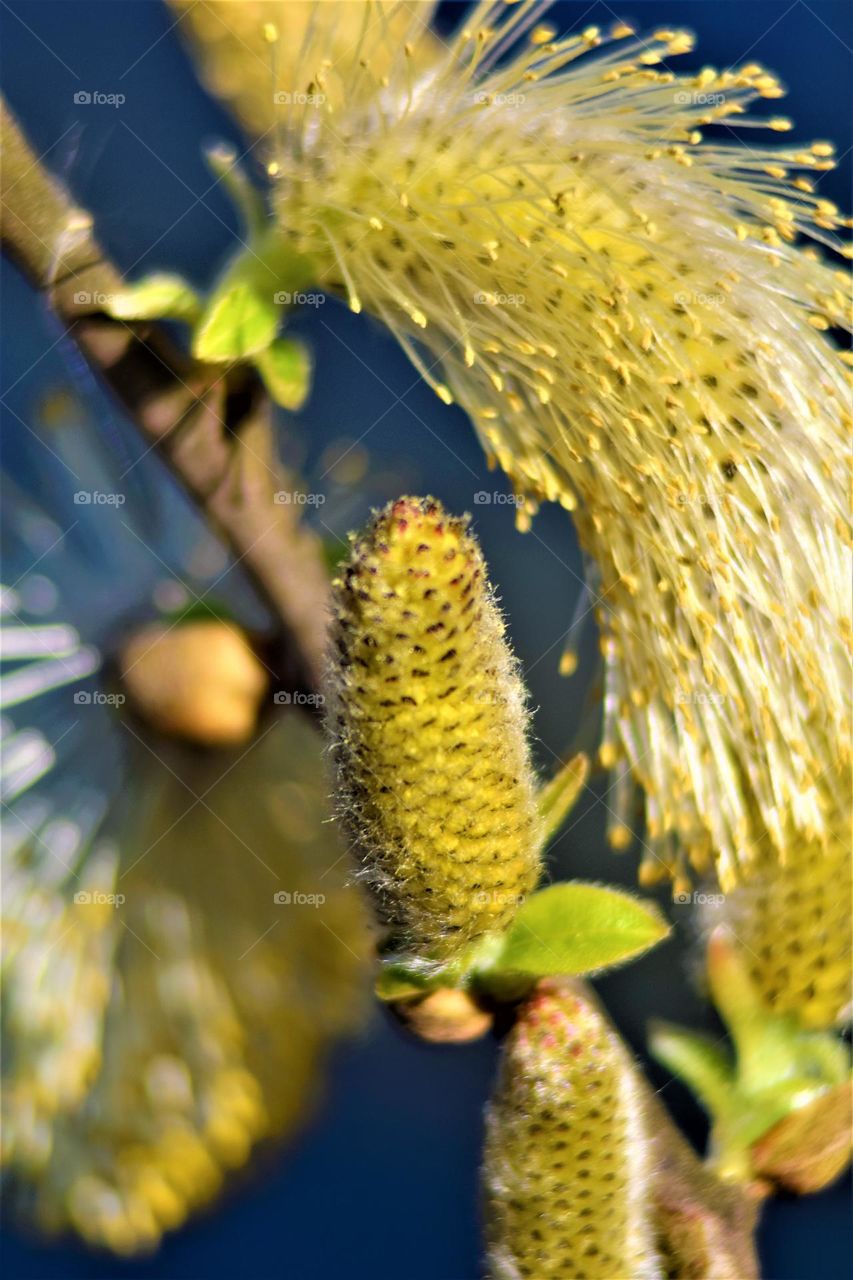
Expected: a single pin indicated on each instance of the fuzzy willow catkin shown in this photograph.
(631, 315)
(568, 1160)
(428, 724)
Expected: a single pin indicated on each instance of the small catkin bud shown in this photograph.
(428, 724)
(445, 1016)
(568, 1160)
(196, 680)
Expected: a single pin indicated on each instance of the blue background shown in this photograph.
(382, 1181)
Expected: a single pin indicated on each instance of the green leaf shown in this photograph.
(557, 797)
(697, 1060)
(286, 368)
(238, 323)
(768, 1045)
(573, 929)
(397, 981)
(157, 297)
(776, 1070)
(334, 552)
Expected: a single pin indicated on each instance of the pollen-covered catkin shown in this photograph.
(568, 1159)
(428, 724)
(626, 305)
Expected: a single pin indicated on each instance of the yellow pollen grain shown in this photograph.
(568, 663)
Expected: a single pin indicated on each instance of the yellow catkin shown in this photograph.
(793, 925)
(250, 51)
(556, 206)
(568, 1165)
(428, 723)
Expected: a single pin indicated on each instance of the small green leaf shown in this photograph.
(573, 929)
(396, 981)
(557, 797)
(334, 550)
(238, 323)
(390, 987)
(285, 367)
(697, 1060)
(768, 1045)
(157, 297)
(776, 1071)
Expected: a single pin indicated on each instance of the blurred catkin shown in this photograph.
(793, 925)
(704, 1227)
(568, 1165)
(428, 725)
(194, 982)
(249, 50)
